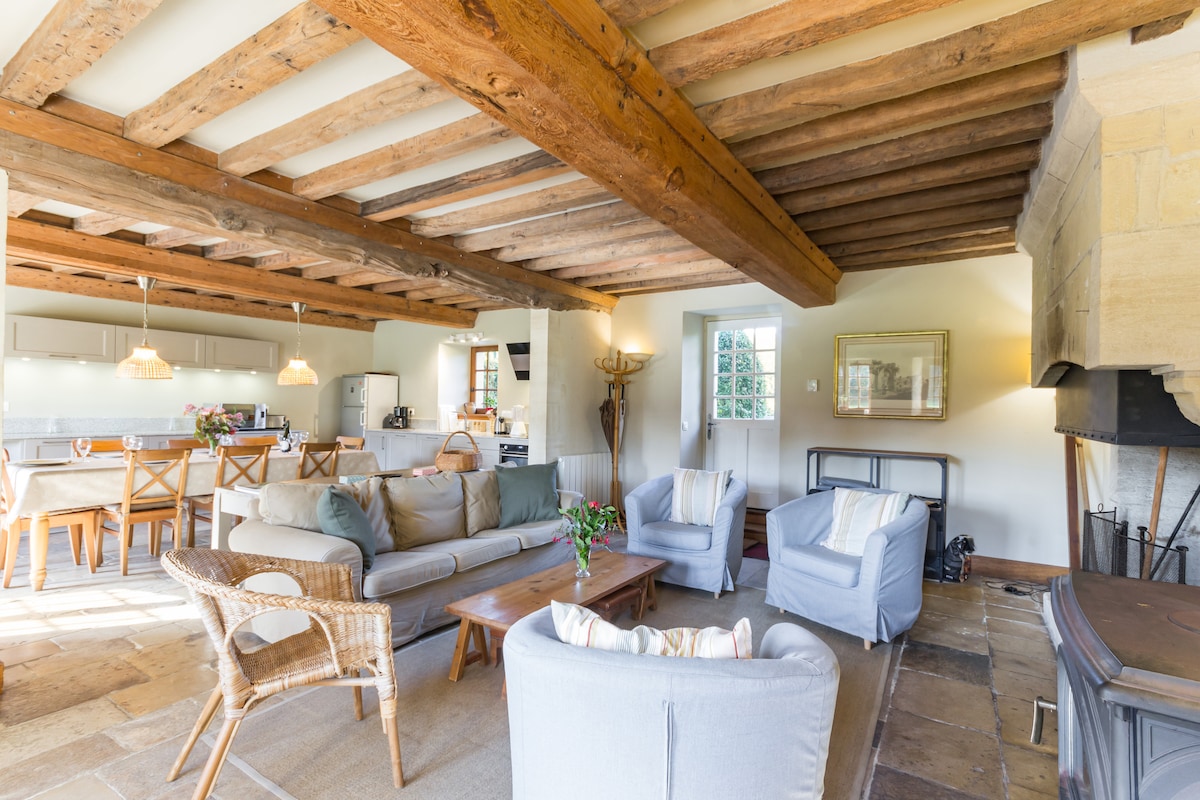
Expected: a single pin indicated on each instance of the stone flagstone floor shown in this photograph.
(100, 667)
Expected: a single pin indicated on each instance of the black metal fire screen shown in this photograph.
(1108, 548)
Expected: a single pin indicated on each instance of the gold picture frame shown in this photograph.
(891, 375)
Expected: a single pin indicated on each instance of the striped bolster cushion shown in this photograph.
(581, 626)
(696, 494)
(856, 515)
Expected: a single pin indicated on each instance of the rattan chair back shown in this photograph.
(318, 458)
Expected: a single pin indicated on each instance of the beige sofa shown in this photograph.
(438, 538)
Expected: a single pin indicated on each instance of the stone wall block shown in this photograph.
(1180, 201)
(1140, 130)
(1181, 124)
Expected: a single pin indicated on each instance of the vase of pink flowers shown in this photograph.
(586, 526)
(213, 422)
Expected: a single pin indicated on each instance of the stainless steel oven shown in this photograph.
(514, 454)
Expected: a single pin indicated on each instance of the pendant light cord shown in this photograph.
(298, 307)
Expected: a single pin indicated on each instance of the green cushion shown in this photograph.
(527, 494)
(341, 515)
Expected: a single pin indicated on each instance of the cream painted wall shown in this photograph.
(43, 388)
(565, 347)
(1006, 473)
(417, 353)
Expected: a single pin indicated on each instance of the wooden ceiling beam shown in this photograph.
(551, 200)
(1016, 158)
(518, 171)
(920, 236)
(936, 258)
(942, 197)
(954, 244)
(1027, 124)
(917, 221)
(99, 223)
(564, 76)
(664, 242)
(578, 238)
(300, 38)
(775, 31)
(72, 37)
(995, 92)
(28, 278)
(63, 246)
(706, 266)
(464, 136)
(1162, 27)
(1032, 33)
(676, 284)
(632, 262)
(494, 238)
(111, 174)
(20, 202)
(173, 237)
(387, 100)
(631, 12)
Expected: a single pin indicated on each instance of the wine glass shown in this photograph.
(303, 436)
(130, 441)
(83, 446)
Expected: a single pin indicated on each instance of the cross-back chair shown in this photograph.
(155, 481)
(186, 444)
(255, 441)
(100, 446)
(318, 458)
(82, 525)
(236, 464)
(344, 637)
(352, 442)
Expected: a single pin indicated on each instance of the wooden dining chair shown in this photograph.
(100, 446)
(236, 464)
(155, 481)
(318, 458)
(186, 444)
(352, 442)
(82, 526)
(257, 441)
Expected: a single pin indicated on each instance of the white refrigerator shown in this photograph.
(366, 400)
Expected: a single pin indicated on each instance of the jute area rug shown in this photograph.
(306, 744)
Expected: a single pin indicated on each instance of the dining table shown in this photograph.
(45, 486)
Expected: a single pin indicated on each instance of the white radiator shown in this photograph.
(589, 474)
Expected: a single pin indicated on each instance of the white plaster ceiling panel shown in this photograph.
(21, 18)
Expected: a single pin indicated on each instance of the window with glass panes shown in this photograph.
(744, 373)
(485, 375)
(858, 385)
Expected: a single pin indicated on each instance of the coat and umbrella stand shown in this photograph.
(612, 414)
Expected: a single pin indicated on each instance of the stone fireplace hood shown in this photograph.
(1126, 407)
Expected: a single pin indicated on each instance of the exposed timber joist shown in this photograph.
(551, 200)
(111, 174)
(48, 243)
(564, 76)
(29, 278)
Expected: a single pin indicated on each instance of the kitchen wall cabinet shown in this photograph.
(177, 348)
(226, 352)
(62, 339)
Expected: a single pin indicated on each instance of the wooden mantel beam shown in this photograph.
(563, 75)
(48, 243)
(75, 163)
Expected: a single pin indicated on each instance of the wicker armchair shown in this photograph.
(344, 637)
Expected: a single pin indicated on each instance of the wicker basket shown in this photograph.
(458, 460)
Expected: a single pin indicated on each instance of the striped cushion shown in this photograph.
(696, 495)
(856, 515)
(581, 626)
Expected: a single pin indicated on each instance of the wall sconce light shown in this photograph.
(297, 372)
(640, 358)
(143, 363)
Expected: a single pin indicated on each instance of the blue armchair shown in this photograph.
(875, 596)
(697, 556)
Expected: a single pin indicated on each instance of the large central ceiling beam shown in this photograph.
(562, 74)
(74, 163)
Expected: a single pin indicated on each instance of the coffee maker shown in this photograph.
(398, 418)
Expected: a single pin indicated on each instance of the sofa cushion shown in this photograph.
(481, 500)
(473, 552)
(696, 494)
(581, 626)
(530, 534)
(426, 509)
(294, 505)
(527, 494)
(858, 514)
(676, 535)
(816, 561)
(342, 516)
(404, 569)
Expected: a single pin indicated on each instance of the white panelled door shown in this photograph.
(741, 391)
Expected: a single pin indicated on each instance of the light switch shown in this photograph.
(814, 385)
(685, 422)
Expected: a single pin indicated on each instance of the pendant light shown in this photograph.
(143, 363)
(297, 372)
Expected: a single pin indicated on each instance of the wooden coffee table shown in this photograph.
(497, 609)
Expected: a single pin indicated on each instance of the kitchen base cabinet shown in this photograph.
(376, 442)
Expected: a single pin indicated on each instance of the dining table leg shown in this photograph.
(39, 544)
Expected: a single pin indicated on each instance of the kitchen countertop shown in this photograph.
(503, 438)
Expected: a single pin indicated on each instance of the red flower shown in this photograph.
(593, 504)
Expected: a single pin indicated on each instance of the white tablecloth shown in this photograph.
(101, 481)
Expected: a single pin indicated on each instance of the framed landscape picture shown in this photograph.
(890, 375)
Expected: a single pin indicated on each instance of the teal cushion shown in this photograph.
(527, 494)
(341, 515)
